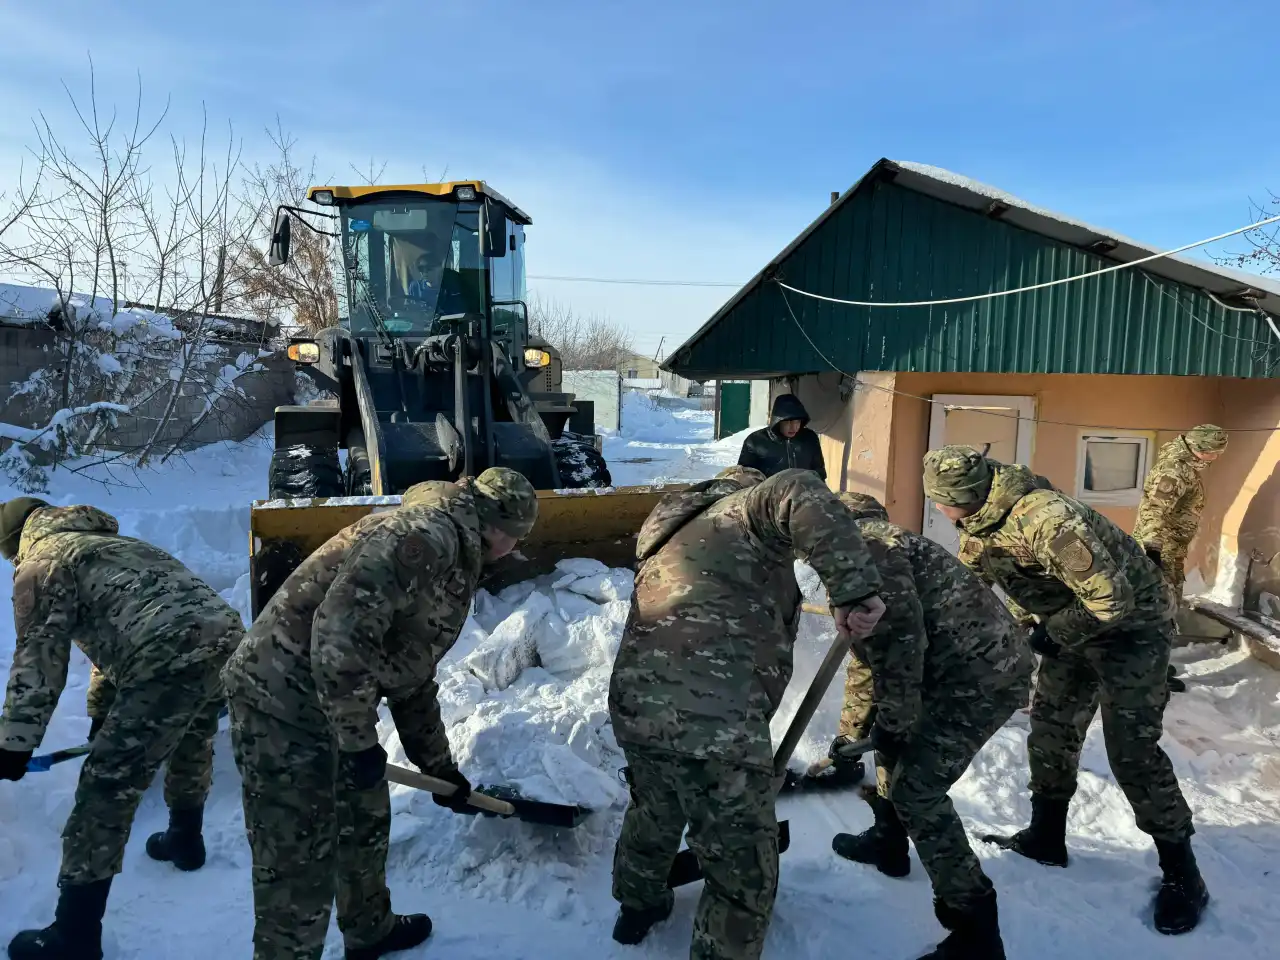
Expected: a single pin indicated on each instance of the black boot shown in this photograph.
(76, 931)
(408, 931)
(182, 844)
(1045, 840)
(632, 926)
(1182, 895)
(885, 846)
(975, 932)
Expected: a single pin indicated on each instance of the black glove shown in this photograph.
(367, 768)
(1175, 683)
(458, 801)
(95, 724)
(1044, 644)
(13, 764)
(1153, 554)
(887, 744)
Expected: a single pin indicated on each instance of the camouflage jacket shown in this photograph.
(367, 616)
(135, 611)
(706, 654)
(944, 633)
(1172, 499)
(1062, 561)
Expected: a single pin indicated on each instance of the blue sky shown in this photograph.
(692, 140)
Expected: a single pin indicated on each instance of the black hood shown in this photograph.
(787, 406)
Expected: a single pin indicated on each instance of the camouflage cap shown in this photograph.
(864, 506)
(956, 476)
(506, 501)
(13, 516)
(1206, 438)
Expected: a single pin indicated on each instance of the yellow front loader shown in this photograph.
(431, 374)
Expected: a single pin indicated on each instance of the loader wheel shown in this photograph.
(271, 567)
(300, 471)
(580, 464)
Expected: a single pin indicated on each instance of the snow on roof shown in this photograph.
(968, 184)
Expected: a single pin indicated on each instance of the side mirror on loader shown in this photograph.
(281, 232)
(495, 231)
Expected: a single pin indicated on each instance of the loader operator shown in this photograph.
(705, 658)
(159, 637)
(949, 667)
(1101, 618)
(367, 615)
(451, 298)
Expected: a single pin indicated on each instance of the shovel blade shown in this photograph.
(542, 812)
(685, 869)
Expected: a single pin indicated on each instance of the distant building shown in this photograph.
(635, 366)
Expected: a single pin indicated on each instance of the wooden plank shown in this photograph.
(1262, 643)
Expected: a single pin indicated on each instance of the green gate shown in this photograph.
(733, 408)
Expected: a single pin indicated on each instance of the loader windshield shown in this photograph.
(410, 262)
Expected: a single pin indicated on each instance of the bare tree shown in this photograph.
(1264, 253)
(305, 289)
(585, 342)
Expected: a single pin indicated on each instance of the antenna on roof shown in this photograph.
(835, 195)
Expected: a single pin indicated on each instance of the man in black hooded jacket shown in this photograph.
(786, 443)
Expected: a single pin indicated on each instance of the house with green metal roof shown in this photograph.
(1108, 351)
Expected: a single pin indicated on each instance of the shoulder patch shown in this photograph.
(1167, 486)
(24, 597)
(1072, 553)
(971, 548)
(411, 550)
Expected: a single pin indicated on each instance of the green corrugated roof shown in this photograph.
(906, 232)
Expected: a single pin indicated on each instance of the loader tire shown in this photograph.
(579, 463)
(300, 471)
(272, 565)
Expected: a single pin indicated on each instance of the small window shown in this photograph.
(1111, 468)
(633, 374)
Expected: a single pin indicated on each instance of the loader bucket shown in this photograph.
(600, 524)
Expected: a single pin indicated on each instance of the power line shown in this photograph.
(1035, 286)
(992, 413)
(648, 283)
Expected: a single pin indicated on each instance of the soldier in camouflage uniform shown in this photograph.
(367, 616)
(705, 658)
(1173, 499)
(1101, 619)
(949, 667)
(159, 636)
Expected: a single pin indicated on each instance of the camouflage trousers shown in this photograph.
(1126, 674)
(858, 713)
(189, 770)
(733, 831)
(313, 837)
(171, 717)
(945, 743)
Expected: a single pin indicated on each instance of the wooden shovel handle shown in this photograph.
(816, 609)
(443, 788)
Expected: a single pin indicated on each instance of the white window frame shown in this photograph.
(1114, 498)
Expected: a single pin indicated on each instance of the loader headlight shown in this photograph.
(322, 197)
(465, 192)
(306, 352)
(533, 357)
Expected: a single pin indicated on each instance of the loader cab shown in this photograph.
(412, 256)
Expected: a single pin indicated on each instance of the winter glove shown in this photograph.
(1176, 684)
(13, 764)
(95, 724)
(458, 802)
(1153, 554)
(367, 768)
(888, 745)
(1044, 644)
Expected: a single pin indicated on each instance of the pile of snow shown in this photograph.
(667, 442)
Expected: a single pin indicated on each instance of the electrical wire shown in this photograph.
(650, 283)
(1035, 286)
(859, 385)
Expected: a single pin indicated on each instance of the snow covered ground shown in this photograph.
(524, 693)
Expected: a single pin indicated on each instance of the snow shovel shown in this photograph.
(685, 868)
(500, 801)
(45, 761)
